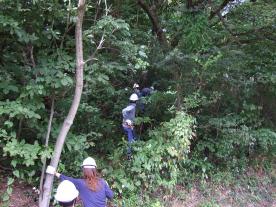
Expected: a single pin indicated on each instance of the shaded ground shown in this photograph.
(253, 189)
(22, 194)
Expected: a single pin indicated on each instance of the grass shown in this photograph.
(225, 189)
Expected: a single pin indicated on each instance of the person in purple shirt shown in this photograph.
(93, 190)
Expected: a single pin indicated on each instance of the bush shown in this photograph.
(156, 162)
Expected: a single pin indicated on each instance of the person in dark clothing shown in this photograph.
(147, 91)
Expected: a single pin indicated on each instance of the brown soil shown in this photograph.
(22, 195)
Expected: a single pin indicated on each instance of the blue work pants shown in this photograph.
(129, 131)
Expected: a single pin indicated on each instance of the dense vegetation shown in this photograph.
(213, 65)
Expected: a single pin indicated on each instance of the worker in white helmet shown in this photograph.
(66, 194)
(128, 120)
(93, 190)
(136, 89)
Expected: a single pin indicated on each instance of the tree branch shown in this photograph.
(189, 4)
(68, 28)
(156, 28)
(92, 57)
(222, 6)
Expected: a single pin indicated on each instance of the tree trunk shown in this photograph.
(177, 76)
(18, 134)
(156, 27)
(47, 188)
(46, 145)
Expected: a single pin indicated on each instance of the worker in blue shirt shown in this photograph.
(128, 120)
(93, 190)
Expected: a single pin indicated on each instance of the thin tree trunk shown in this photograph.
(179, 99)
(19, 128)
(46, 145)
(47, 188)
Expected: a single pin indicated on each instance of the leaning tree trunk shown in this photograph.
(47, 188)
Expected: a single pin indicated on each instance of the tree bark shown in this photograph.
(189, 4)
(46, 145)
(156, 28)
(47, 188)
(18, 134)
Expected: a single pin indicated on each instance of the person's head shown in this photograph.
(66, 194)
(133, 98)
(90, 174)
(136, 86)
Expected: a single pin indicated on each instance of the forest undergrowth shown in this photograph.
(251, 188)
(206, 135)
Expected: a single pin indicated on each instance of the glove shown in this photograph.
(129, 122)
(50, 170)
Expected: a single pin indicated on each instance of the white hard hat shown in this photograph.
(89, 162)
(133, 97)
(66, 192)
(135, 85)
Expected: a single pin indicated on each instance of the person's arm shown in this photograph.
(51, 170)
(57, 174)
(108, 192)
(125, 111)
(64, 177)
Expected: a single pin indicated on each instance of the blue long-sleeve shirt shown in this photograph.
(90, 198)
(129, 112)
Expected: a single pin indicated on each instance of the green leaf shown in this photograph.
(64, 82)
(10, 181)
(6, 197)
(16, 173)
(14, 163)
(9, 191)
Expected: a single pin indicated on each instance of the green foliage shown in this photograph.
(7, 194)
(209, 204)
(17, 109)
(25, 157)
(220, 72)
(156, 162)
